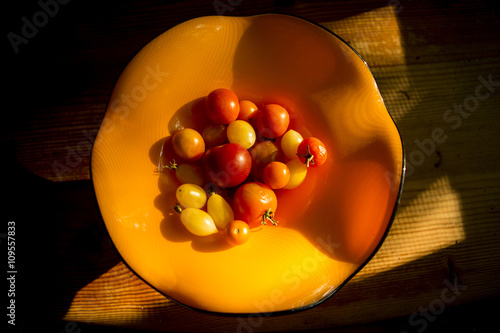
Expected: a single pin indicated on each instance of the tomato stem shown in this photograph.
(177, 208)
(268, 215)
(172, 165)
(211, 190)
(309, 158)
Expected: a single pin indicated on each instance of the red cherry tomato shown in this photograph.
(222, 106)
(255, 203)
(312, 152)
(272, 121)
(276, 175)
(237, 232)
(227, 165)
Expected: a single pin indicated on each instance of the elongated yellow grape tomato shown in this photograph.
(191, 196)
(198, 222)
(220, 210)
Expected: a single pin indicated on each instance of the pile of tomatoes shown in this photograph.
(229, 171)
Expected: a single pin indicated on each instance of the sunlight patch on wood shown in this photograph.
(433, 221)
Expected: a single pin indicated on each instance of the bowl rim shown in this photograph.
(354, 273)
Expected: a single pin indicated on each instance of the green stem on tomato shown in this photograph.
(268, 215)
(211, 190)
(177, 208)
(172, 165)
(309, 158)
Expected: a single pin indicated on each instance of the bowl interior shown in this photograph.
(329, 226)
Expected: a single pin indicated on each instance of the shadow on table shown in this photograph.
(61, 244)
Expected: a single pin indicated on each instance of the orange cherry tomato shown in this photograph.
(276, 175)
(248, 110)
(262, 154)
(188, 144)
(237, 232)
(312, 152)
(255, 203)
(222, 106)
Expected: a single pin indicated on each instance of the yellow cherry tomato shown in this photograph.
(298, 172)
(290, 142)
(191, 196)
(241, 132)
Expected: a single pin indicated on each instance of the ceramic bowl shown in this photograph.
(330, 226)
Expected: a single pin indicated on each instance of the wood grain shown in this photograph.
(427, 57)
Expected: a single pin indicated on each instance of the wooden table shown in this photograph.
(438, 68)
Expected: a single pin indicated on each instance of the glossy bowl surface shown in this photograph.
(329, 227)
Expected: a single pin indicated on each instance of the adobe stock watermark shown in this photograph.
(223, 6)
(453, 118)
(119, 107)
(420, 320)
(396, 4)
(70, 327)
(31, 26)
(292, 279)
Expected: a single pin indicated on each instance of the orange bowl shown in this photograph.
(330, 226)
